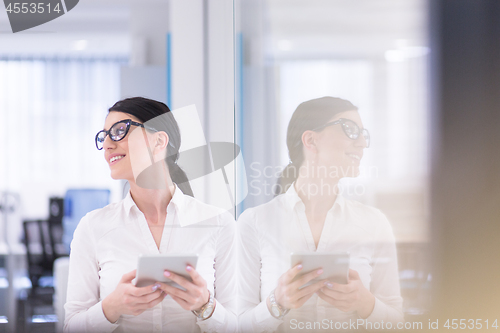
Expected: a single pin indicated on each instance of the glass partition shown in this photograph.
(373, 54)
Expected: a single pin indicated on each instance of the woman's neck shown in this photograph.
(317, 194)
(152, 202)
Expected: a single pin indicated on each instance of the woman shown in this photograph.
(325, 141)
(141, 143)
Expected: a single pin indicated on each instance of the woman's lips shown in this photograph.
(115, 159)
(354, 156)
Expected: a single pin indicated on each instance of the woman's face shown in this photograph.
(338, 153)
(121, 155)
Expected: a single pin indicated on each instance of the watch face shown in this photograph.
(207, 312)
(276, 311)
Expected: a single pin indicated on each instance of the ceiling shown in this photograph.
(346, 28)
(103, 25)
(299, 28)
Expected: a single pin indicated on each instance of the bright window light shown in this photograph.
(80, 45)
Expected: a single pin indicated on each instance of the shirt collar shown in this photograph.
(128, 203)
(292, 198)
(177, 201)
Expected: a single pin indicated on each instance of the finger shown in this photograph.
(335, 294)
(149, 297)
(128, 277)
(173, 291)
(341, 305)
(156, 301)
(138, 292)
(289, 275)
(306, 278)
(309, 290)
(180, 280)
(353, 275)
(343, 288)
(297, 304)
(197, 279)
(332, 301)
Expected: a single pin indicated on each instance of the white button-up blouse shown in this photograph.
(107, 244)
(269, 233)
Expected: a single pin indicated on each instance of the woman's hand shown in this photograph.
(196, 294)
(288, 294)
(349, 297)
(130, 300)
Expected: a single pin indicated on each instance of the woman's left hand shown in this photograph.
(196, 294)
(352, 296)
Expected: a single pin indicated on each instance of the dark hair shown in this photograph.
(145, 110)
(308, 116)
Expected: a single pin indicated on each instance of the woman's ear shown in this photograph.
(309, 140)
(161, 141)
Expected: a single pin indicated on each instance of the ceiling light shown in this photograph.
(80, 45)
(405, 53)
(284, 45)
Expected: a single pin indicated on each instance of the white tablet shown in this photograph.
(335, 266)
(150, 268)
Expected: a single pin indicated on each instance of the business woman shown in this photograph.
(325, 140)
(140, 142)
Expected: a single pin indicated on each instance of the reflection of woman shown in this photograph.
(325, 140)
(156, 219)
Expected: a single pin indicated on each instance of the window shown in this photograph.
(50, 111)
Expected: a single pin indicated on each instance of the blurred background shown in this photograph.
(246, 65)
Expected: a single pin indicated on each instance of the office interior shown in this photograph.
(245, 65)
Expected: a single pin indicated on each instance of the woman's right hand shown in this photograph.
(288, 294)
(130, 300)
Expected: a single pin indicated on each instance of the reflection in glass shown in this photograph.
(374, 54)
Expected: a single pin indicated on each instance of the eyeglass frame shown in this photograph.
(128, 122)
(341, 121)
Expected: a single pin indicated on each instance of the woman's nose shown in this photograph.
(108, 143)
(361, 141)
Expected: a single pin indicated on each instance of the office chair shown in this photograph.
(41, 253)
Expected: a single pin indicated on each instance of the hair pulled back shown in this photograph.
(146, 109)
(308, 116)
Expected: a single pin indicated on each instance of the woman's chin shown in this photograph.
(116, 175)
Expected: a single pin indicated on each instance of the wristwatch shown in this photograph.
(277, 311)
(206, 310)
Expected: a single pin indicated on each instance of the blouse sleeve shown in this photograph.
(83, 308)
(223, 318)
(254, 315)
(385, 278)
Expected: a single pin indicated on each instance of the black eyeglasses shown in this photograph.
(350, 128)
(118, 131)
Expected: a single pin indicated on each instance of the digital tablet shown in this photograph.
(335, 266)
(150, 268)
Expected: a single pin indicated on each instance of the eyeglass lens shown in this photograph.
(351, 129)
(116, 133)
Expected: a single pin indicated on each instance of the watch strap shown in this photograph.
(207, 309)
(277, 311)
